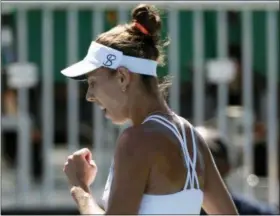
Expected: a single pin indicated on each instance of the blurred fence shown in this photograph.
(103, 130)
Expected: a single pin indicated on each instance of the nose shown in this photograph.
(90, 97)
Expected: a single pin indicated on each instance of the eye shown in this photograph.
(91, 84)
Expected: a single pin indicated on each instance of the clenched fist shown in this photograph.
(80, 169)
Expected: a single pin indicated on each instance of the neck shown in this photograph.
(143, 106)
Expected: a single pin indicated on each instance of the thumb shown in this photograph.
(85, 152)
(88, 157)
(92, 163)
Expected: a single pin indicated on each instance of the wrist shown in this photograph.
(80, 188)
(86, 188)
(83, 199)
(85, 202)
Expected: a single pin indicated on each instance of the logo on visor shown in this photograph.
(109, 61)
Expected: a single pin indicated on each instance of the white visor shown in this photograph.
(102, 56)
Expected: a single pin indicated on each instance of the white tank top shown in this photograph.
(187, 201)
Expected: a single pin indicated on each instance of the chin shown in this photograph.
(119, 122)
(116, 119)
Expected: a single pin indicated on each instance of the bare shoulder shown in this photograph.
(137, 140)
(134, 157)
(200, 142)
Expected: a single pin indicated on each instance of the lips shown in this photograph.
(103, 109)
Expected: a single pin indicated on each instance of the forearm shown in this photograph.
(85, 201)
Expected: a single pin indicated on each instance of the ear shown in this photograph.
(124, 77)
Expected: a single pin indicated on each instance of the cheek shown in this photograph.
(111, 95)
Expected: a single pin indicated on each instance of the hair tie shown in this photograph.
(141, 28)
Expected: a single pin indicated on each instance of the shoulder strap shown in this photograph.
(183, 143)
(193, 163)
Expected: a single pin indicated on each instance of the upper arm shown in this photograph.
(217, 199)
(132, 163)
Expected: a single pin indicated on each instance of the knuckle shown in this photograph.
(65, 168)
(81, 152)
(70, 157)
(85, 150)
(76, 155)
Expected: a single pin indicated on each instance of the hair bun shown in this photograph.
(148, 16)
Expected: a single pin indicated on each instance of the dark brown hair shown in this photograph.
(132, 42)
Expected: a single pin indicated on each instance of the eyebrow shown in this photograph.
(90, 79)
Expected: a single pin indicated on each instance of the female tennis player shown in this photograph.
(161, 165)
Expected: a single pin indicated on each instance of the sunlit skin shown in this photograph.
(121, 96)
(147, 151)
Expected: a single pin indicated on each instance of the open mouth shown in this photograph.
(103, 109)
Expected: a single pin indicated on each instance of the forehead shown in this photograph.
(97, 74)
